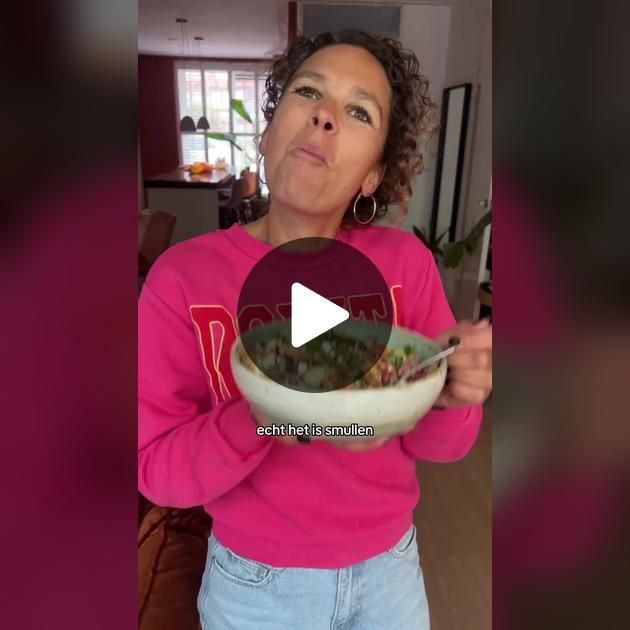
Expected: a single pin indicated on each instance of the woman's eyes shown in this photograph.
(361, 114)
(307, 91)
(357, 112)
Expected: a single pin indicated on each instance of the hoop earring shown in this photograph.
(354, 210)
(260, 179)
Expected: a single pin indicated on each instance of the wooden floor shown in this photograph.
(454, 521)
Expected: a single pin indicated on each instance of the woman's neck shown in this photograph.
(279, 226)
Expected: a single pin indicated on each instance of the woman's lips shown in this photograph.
(311, 154)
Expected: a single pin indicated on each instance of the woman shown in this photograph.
(306, 536)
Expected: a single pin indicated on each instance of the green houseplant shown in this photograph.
(251, 176)
(238, 107)
(452, 254)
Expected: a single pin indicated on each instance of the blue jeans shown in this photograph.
(383, 593)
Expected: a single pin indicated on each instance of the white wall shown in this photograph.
(243, 29)
(470, 61)
(453, 43)
(425, 29)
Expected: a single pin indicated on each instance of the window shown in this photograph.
(208, 91)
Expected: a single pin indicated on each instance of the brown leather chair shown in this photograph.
(157, 239)
(172, 550)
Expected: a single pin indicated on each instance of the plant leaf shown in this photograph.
(477, 232)
(239, 108)
(453, 253)
(420, 234)
(441, 236)
(227, 137)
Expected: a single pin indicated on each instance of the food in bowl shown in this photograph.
(330, 358)
(382, 399)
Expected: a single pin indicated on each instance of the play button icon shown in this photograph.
(312, 315)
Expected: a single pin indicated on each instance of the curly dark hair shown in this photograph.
(411, 111)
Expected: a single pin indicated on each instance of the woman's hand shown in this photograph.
(289, 440)
(263, 421)
(469, 378)
(358, 446)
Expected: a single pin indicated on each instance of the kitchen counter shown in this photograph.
(192, 199)
(181, 178)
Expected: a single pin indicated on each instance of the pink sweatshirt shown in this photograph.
(314, 505)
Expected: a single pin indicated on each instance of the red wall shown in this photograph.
(157, 116)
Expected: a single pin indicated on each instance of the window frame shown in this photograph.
(258, 68)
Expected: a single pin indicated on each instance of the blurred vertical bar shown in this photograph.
(68, 266)
(561, 280)
(293, 25)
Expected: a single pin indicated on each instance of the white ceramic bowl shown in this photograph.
(389, 410)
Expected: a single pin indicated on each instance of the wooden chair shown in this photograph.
(260, 207)
(232, 210)
(225, 192)
(250, 191)
(251, 183)
(156, 240)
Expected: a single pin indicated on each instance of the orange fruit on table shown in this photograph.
(200, 167)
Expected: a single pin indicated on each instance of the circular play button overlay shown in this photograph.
(314, 315)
